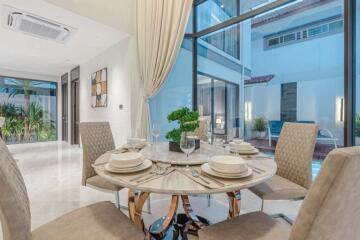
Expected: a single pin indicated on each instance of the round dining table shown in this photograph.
(169, 175)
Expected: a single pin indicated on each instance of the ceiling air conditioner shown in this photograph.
(20, 21)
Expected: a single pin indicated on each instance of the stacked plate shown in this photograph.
(242, 148)
(136, 142)
(127, 162)
(227, 167)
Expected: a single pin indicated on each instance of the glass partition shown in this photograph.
(29, 110)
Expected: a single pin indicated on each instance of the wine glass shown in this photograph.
(155, 132)
(187, 145)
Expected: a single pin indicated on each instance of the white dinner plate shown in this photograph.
(125, 166)
(145, 165)
(228, 173)
(207, 169)
(245, 152)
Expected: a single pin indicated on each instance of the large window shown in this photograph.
(286, 60)
(213, 12)
(297, 68)
(29, 108)
(175, 93)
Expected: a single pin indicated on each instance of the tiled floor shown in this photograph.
(52, 173)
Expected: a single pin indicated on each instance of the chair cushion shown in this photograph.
(99, 182)
(279, 188)
(97, 221)
(254, 226)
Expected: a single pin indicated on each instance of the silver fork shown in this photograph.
(196, 174)
(211, 178)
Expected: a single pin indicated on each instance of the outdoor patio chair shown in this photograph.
(293, 155)
(97, 139)
(274, 129)
(330, 210)
(97, 221)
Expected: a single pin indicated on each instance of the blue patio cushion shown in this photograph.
(276, 126)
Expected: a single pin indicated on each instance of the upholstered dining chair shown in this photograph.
(97, 221)
(202, 131)
(330, 211)
(293, 155)
(97, 139)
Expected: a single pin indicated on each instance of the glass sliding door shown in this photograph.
(217, 103)
(232, 111)
(29, 108)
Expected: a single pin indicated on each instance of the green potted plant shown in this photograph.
(188, 121)
(259, 127)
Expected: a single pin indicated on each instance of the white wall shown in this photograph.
(116, 60)
(35, 76)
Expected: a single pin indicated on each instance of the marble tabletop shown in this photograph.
(160, 153)
(175, 182)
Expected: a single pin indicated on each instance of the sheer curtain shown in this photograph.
(160, 30)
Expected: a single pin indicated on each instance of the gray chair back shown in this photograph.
(331, 210)
(14, 201)
(294, 152)
(96, 139)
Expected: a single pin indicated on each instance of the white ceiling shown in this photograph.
(119, 14)
(22, 52)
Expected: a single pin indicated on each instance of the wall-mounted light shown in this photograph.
(248, 111)
(340, 110)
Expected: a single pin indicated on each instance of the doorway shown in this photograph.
(75, 105)
(288, 102)
(64, 104)
(218, 102)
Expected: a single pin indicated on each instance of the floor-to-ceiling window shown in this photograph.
(285, 58)
(29, 110)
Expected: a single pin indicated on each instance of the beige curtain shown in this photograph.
(160, 30)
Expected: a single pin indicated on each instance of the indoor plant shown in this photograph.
(259, 127)
(188, 121)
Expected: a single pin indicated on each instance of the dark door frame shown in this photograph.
(65, 107)
(75, 77)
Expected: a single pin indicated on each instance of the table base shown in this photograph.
(179, 228)
(163, 228)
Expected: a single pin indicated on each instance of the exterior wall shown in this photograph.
(116, 60)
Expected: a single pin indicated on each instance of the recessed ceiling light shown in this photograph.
(222, 6)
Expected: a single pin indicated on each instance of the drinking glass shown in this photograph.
(187, 145)
(155, 132)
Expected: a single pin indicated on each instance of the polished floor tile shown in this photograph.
(52, 173)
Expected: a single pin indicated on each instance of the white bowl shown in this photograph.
(228, 164)
(242, 146)
(127, 159)
(237, 140)
(137, 142)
